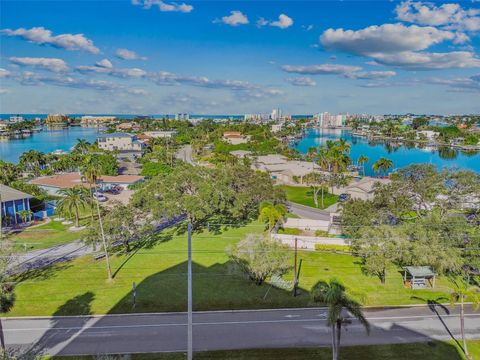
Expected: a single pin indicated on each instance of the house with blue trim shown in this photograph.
(13, 201)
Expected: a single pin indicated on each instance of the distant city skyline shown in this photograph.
(230, 57)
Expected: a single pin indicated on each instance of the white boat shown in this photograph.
(59, 152)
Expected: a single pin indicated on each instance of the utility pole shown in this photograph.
(190, 315)
(109, 270)
(295, 270)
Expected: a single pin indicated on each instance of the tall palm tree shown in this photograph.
(72, 201)
(91, 173)
(463, 291)
(382, 164)
(333, 295)
(362, 160)
(32, 160)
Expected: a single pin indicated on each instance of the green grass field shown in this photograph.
(44, 236)
(304, 196)
(434, 350)
(159, 271)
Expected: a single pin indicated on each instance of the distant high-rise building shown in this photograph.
(182, 116)
(276, 114)
(327, 120)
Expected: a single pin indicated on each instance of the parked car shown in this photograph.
(100, 197)
(344, 197)
(114, 190)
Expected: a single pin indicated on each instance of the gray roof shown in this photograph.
(420, 271)
(9, 194)
(115, 134)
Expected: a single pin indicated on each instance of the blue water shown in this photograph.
(401, 156)
(46, 141)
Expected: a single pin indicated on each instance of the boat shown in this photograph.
(59, 152)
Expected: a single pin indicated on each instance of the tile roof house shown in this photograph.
(51, 184)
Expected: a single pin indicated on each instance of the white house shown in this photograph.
(120, 142)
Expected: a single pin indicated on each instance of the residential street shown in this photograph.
(227, 330)
(185, 154)
(308, 212)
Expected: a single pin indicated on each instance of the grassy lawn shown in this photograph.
(44, 236)
(304, 195)
(159, 271)
(434, 350)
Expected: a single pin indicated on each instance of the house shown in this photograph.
(161, 134)
(235, 137)
(427, 134)
(283, 170)
(52, 184)
(120, 142)
(277, 127)
(13, 201)
(363, 189)
(128, 126)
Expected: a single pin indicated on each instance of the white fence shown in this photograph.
(307, 242)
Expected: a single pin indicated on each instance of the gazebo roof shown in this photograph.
(420, 271)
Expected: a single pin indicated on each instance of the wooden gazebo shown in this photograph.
(419, 277)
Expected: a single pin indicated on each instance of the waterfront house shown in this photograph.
(284, 170)
(120, 142)
(161, 134)
(13, 201)
(128, 126)
(52, 184)
(427, 135)
(363, 189)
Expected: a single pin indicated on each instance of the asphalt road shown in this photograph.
(226, 330)
(307, 212)
(185, 154)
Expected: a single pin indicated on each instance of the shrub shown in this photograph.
(290, 231)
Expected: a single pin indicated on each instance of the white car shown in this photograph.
(99, 197)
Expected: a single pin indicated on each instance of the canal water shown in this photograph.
(46, 141)
(400, 155)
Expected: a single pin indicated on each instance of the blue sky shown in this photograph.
(231, 57)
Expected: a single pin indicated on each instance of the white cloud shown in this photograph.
(262, 22)
(283, 22)
(369, 75)
(4, 91)
(470, 84)
(322, 69)
(164, 6)
(126, 54)
(430, 61)
(4, 73)
(105, 63)
(137, 91)
(51, 64)
(117, 72)
(40, 35)
(450, 15)
(235, 18)
(301, 81)
(387, 38)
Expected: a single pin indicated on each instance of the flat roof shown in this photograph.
(11, 194)
(420, 271)
(115, 134)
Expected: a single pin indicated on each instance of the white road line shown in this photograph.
(223, 323)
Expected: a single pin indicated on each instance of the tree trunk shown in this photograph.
(383, 275)
(462, 327)
(2, 339)
(315, 197)
(339, 334)
(322, 198)
(77, 217)
(334, 345)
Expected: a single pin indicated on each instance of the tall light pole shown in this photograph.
(190, 315)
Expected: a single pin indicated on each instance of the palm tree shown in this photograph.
(362, 160)
(271, 214)
(463, 291)
(91, 173)
(82, 146)
(25, 215)
(72, 201)
(333, 295)
(32, 160)
(382, 164)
